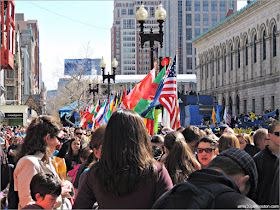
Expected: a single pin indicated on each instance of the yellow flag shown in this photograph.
(214, 116)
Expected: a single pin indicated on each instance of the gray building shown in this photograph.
(238, 60)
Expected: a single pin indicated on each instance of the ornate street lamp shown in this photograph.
(141, 16)
(92, 90)
(114, 65)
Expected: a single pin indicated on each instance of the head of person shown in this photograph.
(41, 136)
(126, 154)
(157, 140)
(157, 152)
(165, 130)
(75, 146)
(78, 132)
(180, 129)
(180, 161)
(45, 188)
(85, 153)
(222, 128)
(192, 134)
(228, 140)
(260, 138)
(96, 141)
(273, 136)
(206, 149)
(243, 139)
(240, 167)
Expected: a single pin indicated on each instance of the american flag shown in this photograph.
(168, 97)
(228, 119)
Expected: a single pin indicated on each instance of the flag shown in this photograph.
(168, 97)
(149, 94)
(228, 118)
(225, 115)
(214, 116)
(218, 114)
(132, 99)
(149, 112)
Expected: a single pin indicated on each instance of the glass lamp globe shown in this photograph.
(114, 63)
(102, 63)
(141, 13)
(160, 13)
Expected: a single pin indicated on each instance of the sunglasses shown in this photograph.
(207, 150)
(276, 133)
(59, 139)
(78, 133)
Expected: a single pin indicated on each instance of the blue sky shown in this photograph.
(66, 28)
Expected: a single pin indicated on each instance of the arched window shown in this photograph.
(206, 67)
(231, 58)
(246, 52)
(255, 48)
(223, 103)
(237, 104)
(225, 61)
(274, 41)
(264, 45)
(238, 55)
(230, 105)
(201, 70)
(212, 64)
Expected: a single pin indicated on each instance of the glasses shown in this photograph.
(276, 133)
(207, 150)
(78, 133)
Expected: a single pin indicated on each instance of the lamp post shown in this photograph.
(92, 90)
(114, 65)
(141, 16)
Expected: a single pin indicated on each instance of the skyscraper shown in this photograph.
(184, 21)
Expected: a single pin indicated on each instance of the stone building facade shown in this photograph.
(239, 59)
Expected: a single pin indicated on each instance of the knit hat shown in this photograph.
(247, 164)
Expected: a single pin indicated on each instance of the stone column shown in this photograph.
(250, 62)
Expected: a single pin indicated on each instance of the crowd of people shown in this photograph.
(119, 165)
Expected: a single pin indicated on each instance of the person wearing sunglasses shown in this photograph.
(206, 151)
(266, 164)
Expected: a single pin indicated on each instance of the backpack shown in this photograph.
(179, 197)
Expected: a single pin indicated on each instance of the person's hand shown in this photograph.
(66, 188)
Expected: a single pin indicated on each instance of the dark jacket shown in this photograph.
(146, 192)
(222, 190)
(251, 149)
(265, 162)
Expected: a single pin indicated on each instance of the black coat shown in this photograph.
(224, 193)
(265, 162)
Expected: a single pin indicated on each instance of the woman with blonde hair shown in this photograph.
(228, 140)
(244, 139)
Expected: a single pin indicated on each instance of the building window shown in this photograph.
(205, 6)
(123, 11)
(205, 29)
(197, 5)
(253, 105)
(245, 106)
(255, 48)
(206, 68)
(189, 62)
(189, 33)
(212, 65)
(218, 62)
(238, 55)
(152, 11)
(231, 58)
(196, 31)
(262, 106)
(188, 19)
(214, 19)
(202, 71)
(214, 5)
(225, 59)
(205, 19)
(272, 103)
(130, 12)
(197, 19)
(189, 48)
(246, 52)
(10, 93)
(222, 6)
(264, 45)
(222, 16)
(188, 5)
(274, 41)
